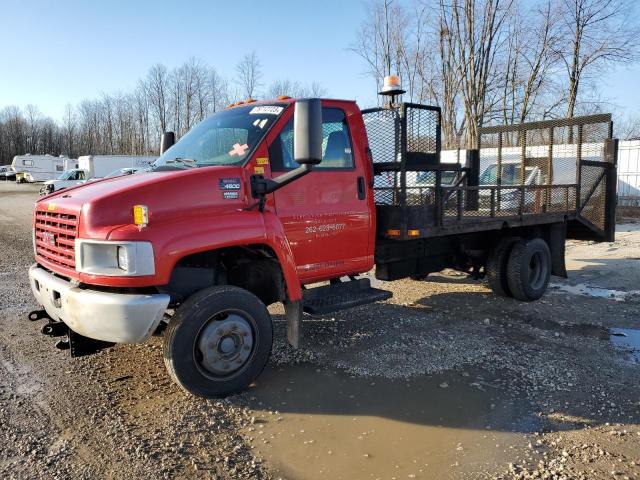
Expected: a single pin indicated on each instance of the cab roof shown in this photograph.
(282, 99)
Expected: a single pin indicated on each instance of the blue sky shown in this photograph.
(62, 51)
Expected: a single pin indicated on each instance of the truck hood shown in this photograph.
(106, 205)
(55, 181)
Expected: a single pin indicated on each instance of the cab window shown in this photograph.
(336, 143)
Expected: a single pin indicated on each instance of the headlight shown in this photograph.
(123, 258)
(114, 258)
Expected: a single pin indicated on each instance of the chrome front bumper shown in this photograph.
(112, 317)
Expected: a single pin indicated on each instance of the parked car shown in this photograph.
(122, 171)
(70, 178)
(7, 173)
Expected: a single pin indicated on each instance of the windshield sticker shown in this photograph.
(268, 109)
(260, 123)
(230, 195)
(258, 170)
(262, 160)
(238, 149)
(229, 184)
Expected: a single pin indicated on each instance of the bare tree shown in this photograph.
(294, 89)
(249, 73)
(156, 87)
(497, 60)
(219, 88)
(314, 89)
(381, 40)
(33, 118)
(69, 131)
(530, 63)
(627, 128)
(598, 33)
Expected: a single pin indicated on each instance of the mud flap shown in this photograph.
(293, 313)
(556, 240)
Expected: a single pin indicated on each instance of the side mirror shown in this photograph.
(166, 141)
(307, 131)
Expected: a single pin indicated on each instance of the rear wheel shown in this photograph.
(529, 269)
(218, 342)
(496, 268)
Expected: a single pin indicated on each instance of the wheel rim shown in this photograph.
(536, 270)
(224, 345)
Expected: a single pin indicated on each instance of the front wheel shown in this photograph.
(218, 342)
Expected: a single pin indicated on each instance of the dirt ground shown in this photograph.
(444, 380)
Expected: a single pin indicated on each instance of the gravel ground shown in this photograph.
(117, 415)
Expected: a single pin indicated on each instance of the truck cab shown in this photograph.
(7, 173)
(68, 178)
(114, 254)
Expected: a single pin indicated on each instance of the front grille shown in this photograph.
(55, 238)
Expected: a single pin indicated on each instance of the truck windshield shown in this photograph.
(68, 175)
(226, 138)
(510, 174)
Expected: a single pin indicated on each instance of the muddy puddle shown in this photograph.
(596, 292)
(627, 339)
(578, 329)
(319, 424)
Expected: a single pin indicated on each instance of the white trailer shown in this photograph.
(37, 168)
(629, 173)
(70, 163)
(99, 166)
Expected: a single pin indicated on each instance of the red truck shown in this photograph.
(289, 201)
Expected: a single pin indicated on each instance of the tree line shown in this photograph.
(482, 61)
(132, 122)
(500, 61)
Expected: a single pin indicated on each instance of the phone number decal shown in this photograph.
(326, 227)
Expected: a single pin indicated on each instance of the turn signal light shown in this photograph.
(413, 233)
(140, 215)
(393, 233)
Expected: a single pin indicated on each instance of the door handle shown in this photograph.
(362, 189)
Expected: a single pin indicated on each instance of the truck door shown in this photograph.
(327, 213)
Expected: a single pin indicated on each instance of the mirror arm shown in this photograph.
(261, 187)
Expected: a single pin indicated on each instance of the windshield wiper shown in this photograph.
(188, 162)
(175, 164)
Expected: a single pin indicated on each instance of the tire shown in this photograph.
(240, 327)
(529, 269)
(496, 268)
